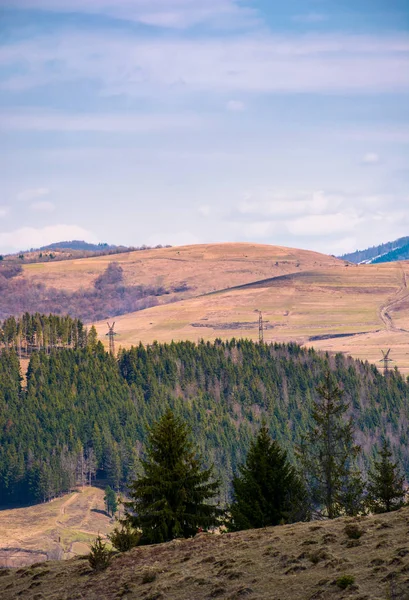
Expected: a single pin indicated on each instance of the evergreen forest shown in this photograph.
(81, 414)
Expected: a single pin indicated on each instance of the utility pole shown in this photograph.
(386, 360)
(111, 336)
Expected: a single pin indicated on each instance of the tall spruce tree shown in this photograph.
(111, 502)
(386, 490)
(268, 490)
(328, 452)
(170, 499)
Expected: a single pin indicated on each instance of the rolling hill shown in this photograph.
(204, 268)
(211, 291)
(60, 529)
(305, 561)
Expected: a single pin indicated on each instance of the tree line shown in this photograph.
(42, 332)
(83, 415)
(175, 495)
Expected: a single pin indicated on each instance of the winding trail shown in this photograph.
(384, 311)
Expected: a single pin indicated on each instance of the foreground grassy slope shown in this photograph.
(293, 562)
(62, 528)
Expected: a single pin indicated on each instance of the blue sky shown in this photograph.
(189, 121)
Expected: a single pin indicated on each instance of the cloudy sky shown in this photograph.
(188, 121)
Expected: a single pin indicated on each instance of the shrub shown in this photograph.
(345, 581)
(353, 531)
(99, 557)
(125, 538)
(316, 557)
(148, 576)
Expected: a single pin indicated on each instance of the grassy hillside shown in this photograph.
(211, 291)
(357, 310)
(295, 562)
(62, 528)
(204, 268)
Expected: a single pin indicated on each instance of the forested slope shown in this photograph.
(389, 252)
(83, 413)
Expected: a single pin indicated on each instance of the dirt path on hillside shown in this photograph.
(61, 530)
(384, 311)
(69, 501)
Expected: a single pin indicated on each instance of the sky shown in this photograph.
(194, 121)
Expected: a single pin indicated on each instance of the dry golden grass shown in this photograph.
(330, 306)
(62, 528)
(295, 562)
(205, 268)
(322, 297)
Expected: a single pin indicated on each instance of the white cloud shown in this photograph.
(40, 120)
(235, 106)
(281, 205)
(43, 206)
(324, 225)
(30, 237)
(371, 158)
(31, 194)
(321, 220)
(4, 210)
(177, 14)
(143, 66)
(259, 229)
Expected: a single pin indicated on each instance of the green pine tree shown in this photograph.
(169, 500)
(92, 339)
(352, 495)
(268, 490)
(111, 503)
(99, 556)
(327, 451)
(386, 484)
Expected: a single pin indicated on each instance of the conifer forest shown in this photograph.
(80, 414)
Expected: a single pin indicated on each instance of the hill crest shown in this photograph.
(316, 560)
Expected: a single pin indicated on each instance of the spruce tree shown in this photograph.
(268, 490)
(169, 500)
(328, 452)
(99, 556)
(352, 494)
(111, 503)
(386, 484)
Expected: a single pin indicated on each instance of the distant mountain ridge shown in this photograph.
(388, 252)
(79, 245)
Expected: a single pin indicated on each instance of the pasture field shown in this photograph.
(62, 528)
(205, 268)
(306, 297)
(358, 310)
